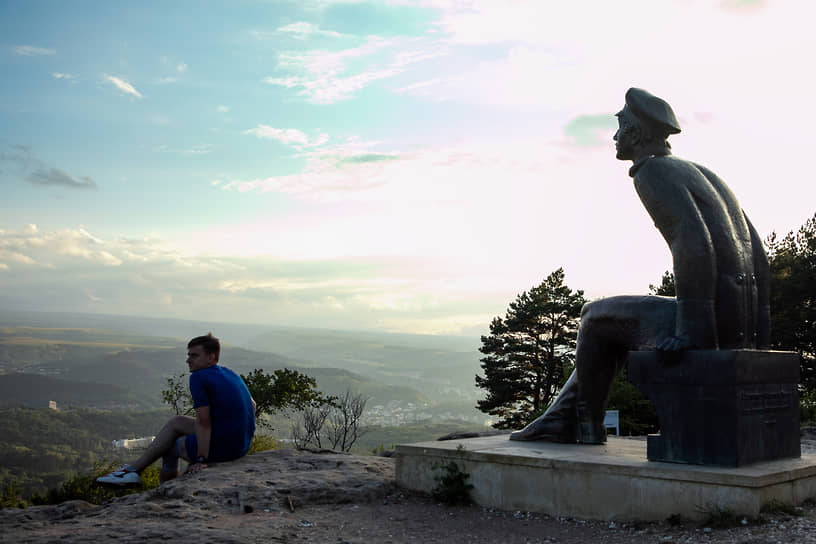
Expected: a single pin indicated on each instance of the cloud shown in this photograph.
(54, 176)
(33, 51)
(304, 30)
(288, 136)
(59, 75)
(330, 172)
(49, 250)
(743, 6)
(181, 67)
(122, 85)
(37, 172)
(149, 276)
(368, 157)
(222, 109)
(590, 130)
(326, 77)
(199, 149)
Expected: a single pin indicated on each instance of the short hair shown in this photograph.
(209, 344)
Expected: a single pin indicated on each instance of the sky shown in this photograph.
(404, 166)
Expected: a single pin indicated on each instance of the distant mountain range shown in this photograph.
(95, 360)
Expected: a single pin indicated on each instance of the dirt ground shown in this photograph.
(303, 497)
(405, 518)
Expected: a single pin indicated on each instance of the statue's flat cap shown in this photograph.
(652, 109)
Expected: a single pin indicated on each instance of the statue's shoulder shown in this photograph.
(662, 165)
(667, 169)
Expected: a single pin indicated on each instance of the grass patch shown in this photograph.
(719, 517)
(774, 506)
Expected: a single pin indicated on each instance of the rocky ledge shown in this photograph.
(212, 505)
(325, 497)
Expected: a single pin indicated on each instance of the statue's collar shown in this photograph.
(644, 158)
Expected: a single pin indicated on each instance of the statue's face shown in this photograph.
(626, 136)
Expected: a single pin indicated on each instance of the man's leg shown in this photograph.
(177, 426)
(164, 445)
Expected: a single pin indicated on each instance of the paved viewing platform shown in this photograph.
(613, 481)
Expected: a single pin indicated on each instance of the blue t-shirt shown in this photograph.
(231, 412)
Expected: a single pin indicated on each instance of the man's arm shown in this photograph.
(203, 431)
(666, 194)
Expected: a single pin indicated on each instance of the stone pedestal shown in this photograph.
(611, 481)
(721, 407)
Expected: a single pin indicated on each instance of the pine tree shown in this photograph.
(793, 297)
(530, 352)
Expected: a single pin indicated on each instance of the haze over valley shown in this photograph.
(117, 362)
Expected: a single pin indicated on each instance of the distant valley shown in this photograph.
(121, 362)
(106, 373)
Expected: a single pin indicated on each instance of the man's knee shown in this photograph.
(182, 424)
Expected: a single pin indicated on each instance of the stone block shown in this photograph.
(721, 407)
(612, 481)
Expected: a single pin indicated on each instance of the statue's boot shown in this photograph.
(549, 428)
(557, 424)
(589, 430)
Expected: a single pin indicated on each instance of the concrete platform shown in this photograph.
(609, 482)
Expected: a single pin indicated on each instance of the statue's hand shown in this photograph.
(675, 343)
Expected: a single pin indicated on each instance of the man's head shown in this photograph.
(644, 124)
(203, 352)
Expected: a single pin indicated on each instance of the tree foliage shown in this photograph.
(530, 352)
(177, 395)
(283, 389)
(793, 296)
(666, 287)
(336, 424)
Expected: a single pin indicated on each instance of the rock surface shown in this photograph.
(301, 496)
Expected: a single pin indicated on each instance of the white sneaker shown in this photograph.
(120, 478)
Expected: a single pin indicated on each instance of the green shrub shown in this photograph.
(451, 484)
(84, 486)
(263, 442)
(774, 506)
(12, 495)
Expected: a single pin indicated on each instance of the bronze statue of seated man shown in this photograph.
(720, 271)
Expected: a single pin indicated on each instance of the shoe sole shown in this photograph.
(123, 485)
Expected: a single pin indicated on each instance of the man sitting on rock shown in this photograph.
(221, 430)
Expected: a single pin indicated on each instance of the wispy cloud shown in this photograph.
(590, 130)
(37, 172)
(288, 136)
(33, 51)
(222, 109)
(60, 75)
(329, 173)
(54, 176)
(304, 30)
(325, 77)
(122, 85)
(198, 149)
